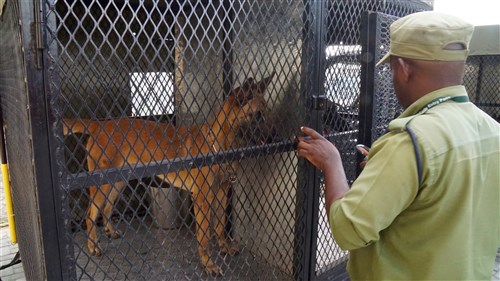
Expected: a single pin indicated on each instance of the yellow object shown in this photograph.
(8, 203)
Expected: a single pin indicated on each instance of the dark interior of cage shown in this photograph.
(189, 63)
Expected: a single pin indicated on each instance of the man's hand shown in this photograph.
(364, 151)
(317, 150)
(325, 156)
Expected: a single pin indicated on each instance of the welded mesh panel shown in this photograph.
(482, 83)
(480, 80)
(19, 148)
(385, 104)
(197, 93)
(343, 69)
(342, 90)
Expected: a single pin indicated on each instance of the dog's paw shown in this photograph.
(228, 248)
(94, 249)
(213, 270)
(113, 233)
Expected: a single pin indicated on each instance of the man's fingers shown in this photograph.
(310, 132)
(363, 151)
(304, 152)
(302, 144)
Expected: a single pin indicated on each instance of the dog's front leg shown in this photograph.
(221, 203)
(113, 193)
(202, 212)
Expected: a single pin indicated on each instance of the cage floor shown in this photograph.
(146, 252)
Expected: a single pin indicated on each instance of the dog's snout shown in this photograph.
(259, 116)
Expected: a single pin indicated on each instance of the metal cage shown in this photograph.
(186, 112)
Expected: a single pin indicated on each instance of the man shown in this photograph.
(427, 204)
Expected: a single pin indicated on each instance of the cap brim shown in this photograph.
(385, 59)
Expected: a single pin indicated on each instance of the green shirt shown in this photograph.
(449, 227)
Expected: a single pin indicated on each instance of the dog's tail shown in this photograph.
(72, 126)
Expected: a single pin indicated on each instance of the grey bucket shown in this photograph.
(171, 207)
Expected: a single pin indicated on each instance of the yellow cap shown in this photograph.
(427, 36)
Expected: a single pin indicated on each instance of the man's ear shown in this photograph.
(405, 68)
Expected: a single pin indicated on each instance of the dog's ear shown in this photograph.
(244, 93)
(248, 84)
(265, 82)
(246, 90)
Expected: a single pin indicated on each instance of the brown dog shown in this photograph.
(119, 142)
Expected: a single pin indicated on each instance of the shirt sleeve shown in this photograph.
(386, 187)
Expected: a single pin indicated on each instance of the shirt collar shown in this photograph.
(452, 91)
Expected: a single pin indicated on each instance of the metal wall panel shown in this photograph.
(171, 68)
(13, 94)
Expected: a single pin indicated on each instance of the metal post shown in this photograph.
(368, 45)
(55, 262)
(309, 178)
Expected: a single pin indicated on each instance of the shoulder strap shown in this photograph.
(433, 103)
(417, 153)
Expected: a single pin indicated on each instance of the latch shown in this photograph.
(318, 102)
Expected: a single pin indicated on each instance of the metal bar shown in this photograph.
(37, 33)
(228, 81)
(82, 180)
(368, 54)
(313, 175)
(479, 84)
(53, 264)
(314, 61)
(60, 205)
(228, 42)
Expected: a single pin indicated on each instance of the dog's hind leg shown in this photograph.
(115, 190)
(202, 210)
(96, 198)
(221, 203)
